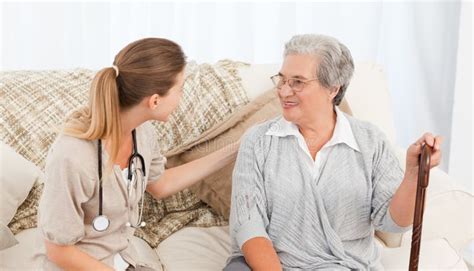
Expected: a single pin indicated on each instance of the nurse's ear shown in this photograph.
(154, 101)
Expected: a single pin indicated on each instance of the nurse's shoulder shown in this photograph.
(74, 153)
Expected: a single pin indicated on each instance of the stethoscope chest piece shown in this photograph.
(100, 223)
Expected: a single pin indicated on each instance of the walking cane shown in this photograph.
(423, 180)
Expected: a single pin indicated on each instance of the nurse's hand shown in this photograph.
(178, 178)
(414, 151)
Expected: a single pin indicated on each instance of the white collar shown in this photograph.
(342, 131)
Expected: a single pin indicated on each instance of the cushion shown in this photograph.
(26, 214)
(210, 94)
(37, 102)
(25, 255)
(145, 254)
(434, 255)
(7, 239)
(256, 78)
(195, 248)
(215, 190)
(369, 97)
(17, 176)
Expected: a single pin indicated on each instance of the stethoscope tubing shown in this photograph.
(135, 155)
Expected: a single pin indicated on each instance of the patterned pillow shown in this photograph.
(33, 105)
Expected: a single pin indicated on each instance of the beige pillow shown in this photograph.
(17, 176)
(28, 254)
(215, 190)
(180, 251)
(7, 239)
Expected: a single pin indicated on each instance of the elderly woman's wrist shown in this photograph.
(411, 171)
(410, 178)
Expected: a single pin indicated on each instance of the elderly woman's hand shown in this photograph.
(414, 151)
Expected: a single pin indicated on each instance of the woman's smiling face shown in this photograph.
(299, 106)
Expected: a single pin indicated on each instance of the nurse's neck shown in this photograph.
(131, 119)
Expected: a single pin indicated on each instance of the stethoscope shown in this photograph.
(101, 222)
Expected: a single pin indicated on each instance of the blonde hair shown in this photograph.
(147, 66)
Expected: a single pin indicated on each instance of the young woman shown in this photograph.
(107, 156)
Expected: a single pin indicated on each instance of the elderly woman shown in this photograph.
(311, 186)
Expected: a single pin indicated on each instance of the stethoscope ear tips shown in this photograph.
(143, 224)
(128, 224)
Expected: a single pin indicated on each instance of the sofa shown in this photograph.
(447, 228)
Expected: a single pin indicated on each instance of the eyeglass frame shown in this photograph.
(305, 82)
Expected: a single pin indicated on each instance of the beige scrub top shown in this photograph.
(70, 199)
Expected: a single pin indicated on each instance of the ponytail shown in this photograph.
(101, 119)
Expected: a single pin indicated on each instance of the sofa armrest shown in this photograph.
(435, 254)
(448, 215)
(448, 212)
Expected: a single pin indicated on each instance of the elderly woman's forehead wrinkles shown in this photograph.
(298, 70)
(299, 66)
(288, 76)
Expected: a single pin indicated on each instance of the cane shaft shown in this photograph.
(422, 184)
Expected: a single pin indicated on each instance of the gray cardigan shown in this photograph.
(327, 222)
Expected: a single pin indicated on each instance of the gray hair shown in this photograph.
(336, 65)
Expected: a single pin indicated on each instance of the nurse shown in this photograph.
(107, 155)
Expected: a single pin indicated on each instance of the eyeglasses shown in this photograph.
(295, 84)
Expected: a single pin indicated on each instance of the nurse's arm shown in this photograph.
(72, 258)
(178, 178)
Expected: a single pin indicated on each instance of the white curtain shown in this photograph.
(461, 149)
(415, 42)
